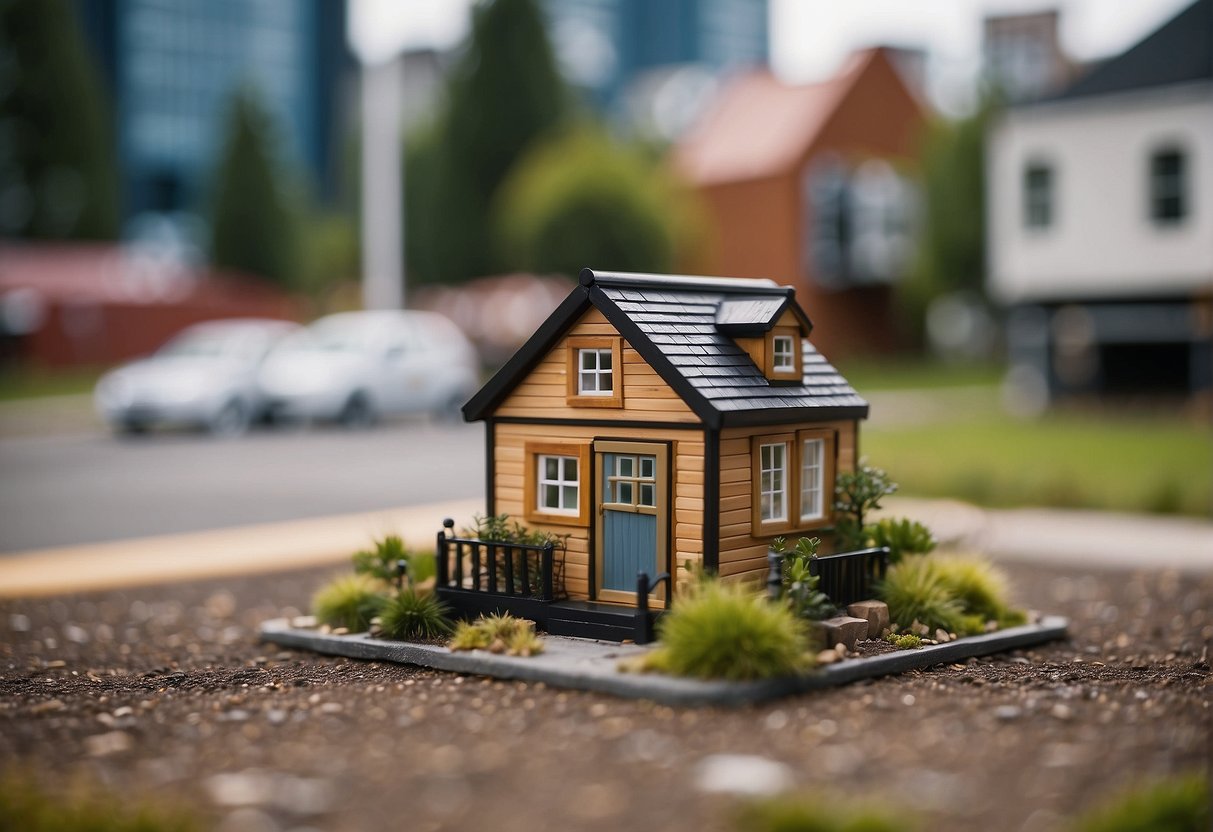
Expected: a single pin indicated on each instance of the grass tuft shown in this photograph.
(956, 594)
(724, 631)
(1178, 805)
(409, 615)
(785, 814)
(499, 634)
(904, 641)
(349, 602)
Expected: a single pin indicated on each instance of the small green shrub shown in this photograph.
(980, 588)
(1178, 805)
(784, 814)
(498, 633)
(379, 562)
(409, 615)
(349, 602)
(904, 641)
(955, 594)
(902, 537)
(800, 586)
(26, 807)
(856, 494)
(914, 592)
(724, 631)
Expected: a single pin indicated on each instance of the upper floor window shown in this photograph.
(1168, 188)
(595, 374)
(1038, 187)
(783, 358)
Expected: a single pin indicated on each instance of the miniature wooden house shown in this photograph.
(657, 421)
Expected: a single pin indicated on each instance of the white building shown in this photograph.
(1100, 221)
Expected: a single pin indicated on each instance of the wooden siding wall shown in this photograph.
(741, 553)
(686, 472)
(645, 396)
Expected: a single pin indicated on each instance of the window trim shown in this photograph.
(573, 395)
(1182, 191)
(1050, 205)
(793, 374)
(775, 525)
(793, 442)
(534, 453)
(828, 452)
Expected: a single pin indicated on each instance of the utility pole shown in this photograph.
(382, 187)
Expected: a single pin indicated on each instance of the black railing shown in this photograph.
(644, 619)
(514, 570)
(847, 577)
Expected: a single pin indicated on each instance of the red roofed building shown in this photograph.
(96, 304)
(806, 185)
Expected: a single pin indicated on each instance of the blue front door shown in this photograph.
(632, 504)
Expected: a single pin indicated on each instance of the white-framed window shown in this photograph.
(1168, 188)
(812, 479)
(559, 484)
(773, 482)
(783, 355)
(595, 372)
(1038, 189)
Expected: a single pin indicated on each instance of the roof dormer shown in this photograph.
(769, 329)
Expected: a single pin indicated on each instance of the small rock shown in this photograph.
(112, 742)
(340, 631)
(1062, 712)
(18, 623)
(276, 716)
(50, 706)
(332, 708)
(1007, 713)
(843, 629)
(742, 774)
(876, 613)
(827, 657)
(943, 636)
(303, 622)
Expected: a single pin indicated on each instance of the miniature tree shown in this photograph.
(856, 494)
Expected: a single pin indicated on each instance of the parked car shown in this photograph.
(206, 376)
(355, 367)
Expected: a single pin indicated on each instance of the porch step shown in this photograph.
(588, 619)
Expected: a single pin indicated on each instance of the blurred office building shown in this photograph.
(653, 64)
(809, 185)
(172, 67)
(1100, 223)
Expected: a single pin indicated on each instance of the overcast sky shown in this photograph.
(809, 38)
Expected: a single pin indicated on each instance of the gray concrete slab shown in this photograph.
(593, 665)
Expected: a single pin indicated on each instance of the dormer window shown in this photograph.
(782, 357)
(594, 368)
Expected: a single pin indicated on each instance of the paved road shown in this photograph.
(60, 490)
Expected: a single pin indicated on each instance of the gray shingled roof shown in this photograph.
(672, 323)
(681, 324)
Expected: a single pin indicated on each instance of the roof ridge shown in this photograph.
(730, 285)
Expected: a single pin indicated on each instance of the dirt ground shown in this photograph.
(166, 693)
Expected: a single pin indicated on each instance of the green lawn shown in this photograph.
(1136, 464)
(910, 373)
(33, 384)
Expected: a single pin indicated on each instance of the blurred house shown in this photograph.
(97, 304)
(171, 69)
(1100, 222)
(1023, 56)
(497, 313)
(807, 185)
(613, 47)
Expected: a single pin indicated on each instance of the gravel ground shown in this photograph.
(165, 693)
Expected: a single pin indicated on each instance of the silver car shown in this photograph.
(354, 367)
(206, 376)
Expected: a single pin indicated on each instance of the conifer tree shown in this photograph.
(58, 170)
